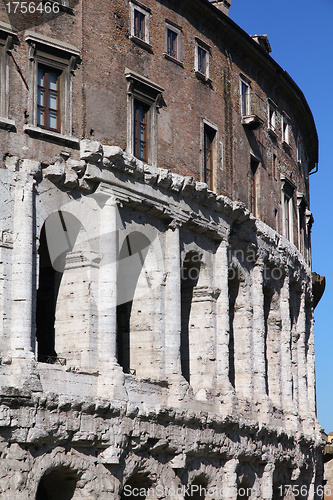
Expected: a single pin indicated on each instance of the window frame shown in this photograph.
(245, 105)
(254, 185)
(209, 129)
(206, 49)
(138, 7)
(299, 150)
(272, 118)
(8, 38)
(286, 131)
(287, 202)
(177, 30)
(46, 87)
(142, 90)
(58, 57)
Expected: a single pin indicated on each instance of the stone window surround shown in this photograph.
(144, 90)
(286, 130)
(55, 55)
(170, 25)
(199, 43)
(7, 36)
(288, 188)
(243, 80)
(272, 118)
(146, 11)
(216, 153)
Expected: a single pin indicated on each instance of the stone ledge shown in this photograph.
(67, 140)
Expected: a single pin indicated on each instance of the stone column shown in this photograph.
(302, 369)
(267, 482)
(172, 301)
(107, 283)
(258, 333)
(222, 317)
(229, 480)
(22, 306)
(310, 362)
(286, 367)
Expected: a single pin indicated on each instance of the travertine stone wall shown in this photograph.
(219, 387)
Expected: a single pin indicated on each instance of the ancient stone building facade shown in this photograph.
(157, 331)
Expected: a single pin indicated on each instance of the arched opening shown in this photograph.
(294, 307)
(137, 487)
(233, 284)
(57, 238)
(60, 484)
(197, 489)
(272, 346)
(189, 279)
(132, 257)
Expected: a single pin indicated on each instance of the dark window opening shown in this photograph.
(141, 111)
(139, 24)
(48, 99)
(268, 296)
(233, 294)
(202, 60)
(189, 278)
(245, 98)
(172, 43)
(131, 261)
(254, 186)
(47, 293)
(209, 136)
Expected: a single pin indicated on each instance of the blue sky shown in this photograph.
(301, 36)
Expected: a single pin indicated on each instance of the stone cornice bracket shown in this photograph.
(32, 51)
(175, 224)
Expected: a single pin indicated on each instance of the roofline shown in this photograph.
(255, 49)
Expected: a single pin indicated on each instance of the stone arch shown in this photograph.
(246, 482)
(240, 328)
(138, 486)
(58, 484)
(197, 489)
(62, 289)
(294, 309)
(190, 272)
(272, 333)
(140, 268)
(79, 467)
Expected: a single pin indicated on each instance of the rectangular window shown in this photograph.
(254, 186)
(287, 216)
(139, 18)
(274, 166)
(272, 118)
(285, 131)
(140, 138)
(209, 138)
(288, 207)
(299, 150)
(48, 99)
(245, 98)
(202, 59)
(172, 43)
(139, 24)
